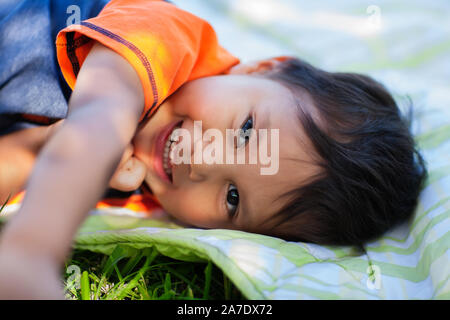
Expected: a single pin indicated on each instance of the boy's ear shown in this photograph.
(130, 172)
(259, 66)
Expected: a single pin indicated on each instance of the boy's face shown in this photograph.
(232, 196)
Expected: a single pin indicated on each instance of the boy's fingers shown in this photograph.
(129, 176)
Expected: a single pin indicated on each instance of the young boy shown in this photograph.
(346, 164)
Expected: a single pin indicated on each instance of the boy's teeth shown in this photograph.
(167, 168)
(174, 135)
(167, 146)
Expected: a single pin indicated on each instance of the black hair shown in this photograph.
(371, 171)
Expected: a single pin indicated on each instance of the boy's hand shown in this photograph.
(71, 174)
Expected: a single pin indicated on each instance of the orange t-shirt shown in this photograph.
(166, 45)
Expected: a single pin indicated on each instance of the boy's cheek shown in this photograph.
(185, 210)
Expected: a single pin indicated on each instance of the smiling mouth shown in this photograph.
(164, 144)
(170, 143)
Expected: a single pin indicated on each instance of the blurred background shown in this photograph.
(403, 44)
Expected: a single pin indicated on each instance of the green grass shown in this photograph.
(144, 276)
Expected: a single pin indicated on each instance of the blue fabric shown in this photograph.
(30, 79)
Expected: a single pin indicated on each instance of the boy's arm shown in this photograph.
(70, 174)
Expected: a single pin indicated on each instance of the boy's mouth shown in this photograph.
(164, 142)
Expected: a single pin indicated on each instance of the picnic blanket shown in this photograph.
(406, 46)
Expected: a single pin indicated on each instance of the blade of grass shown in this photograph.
(142, 287)
(189, 293)
(117, 255)
(168, 292)
(94, 282)
(85, 286)
(181, 277)
(167, 283)
(208, 271)
(132, 262)
(118, 272)
(122, 292)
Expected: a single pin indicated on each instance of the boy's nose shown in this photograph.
(195, 173)
(197, 170)
(200, 168)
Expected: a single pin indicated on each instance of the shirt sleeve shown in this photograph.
(167, 46)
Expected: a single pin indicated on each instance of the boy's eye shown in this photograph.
(245, 132)
(232, 200)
